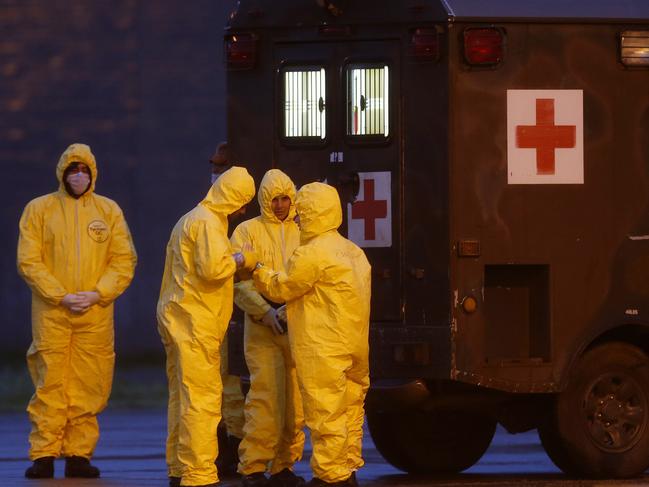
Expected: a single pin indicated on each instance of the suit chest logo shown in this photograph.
(98, 231)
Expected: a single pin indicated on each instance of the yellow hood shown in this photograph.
(77, 153)
(232, 190)
(275, 183)
(318, 205)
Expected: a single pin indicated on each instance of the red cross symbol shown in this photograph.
(369, 209)
(545, 136)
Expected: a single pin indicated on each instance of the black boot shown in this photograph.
(42, 468)
(228, 458)
(80, 467)
(222, 437)
(285, 478)
(257, 479)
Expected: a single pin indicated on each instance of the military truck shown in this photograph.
(493, 161)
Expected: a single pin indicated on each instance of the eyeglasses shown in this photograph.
(76, 167)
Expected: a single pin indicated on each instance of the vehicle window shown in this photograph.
(367, 100)
(304, 103)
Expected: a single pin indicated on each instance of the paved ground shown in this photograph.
(131, 453)
(130, 450)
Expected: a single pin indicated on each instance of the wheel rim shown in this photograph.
(616, 412)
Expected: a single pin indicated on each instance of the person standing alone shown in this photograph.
(76, 254)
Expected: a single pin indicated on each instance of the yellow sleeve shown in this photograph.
(302, 272)
(249, 300)
(30, 261)
(121, 264)
(246, 296)
(212, 253)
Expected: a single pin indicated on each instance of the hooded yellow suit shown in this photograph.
(193, 312)
(327, 287)
(273, 437)
(68, 245)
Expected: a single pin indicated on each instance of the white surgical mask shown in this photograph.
(78, 182)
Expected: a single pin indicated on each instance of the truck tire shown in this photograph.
(599, 426)
(424, 442)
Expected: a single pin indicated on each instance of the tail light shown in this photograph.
(240, 51)
(424, 45)
(484, 46)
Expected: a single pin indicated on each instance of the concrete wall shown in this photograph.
(142, 83)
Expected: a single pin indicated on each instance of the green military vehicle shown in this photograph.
(493, 158)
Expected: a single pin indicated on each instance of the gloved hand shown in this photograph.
(73, 302)
(246, 259)
(281, 313)
(80, 302)
(271, 321)
(250, 259)
(89, 298)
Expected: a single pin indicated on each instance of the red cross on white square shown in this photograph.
(369, 210)
(369, 219)
(545, 137)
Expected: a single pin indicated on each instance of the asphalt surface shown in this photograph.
(131, 453)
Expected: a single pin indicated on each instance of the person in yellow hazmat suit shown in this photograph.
(326, 286)
(194, 309)
(273, 433)
(76, 254)
(230, 430)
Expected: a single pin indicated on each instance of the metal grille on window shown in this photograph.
(304, 103)
(368, 103)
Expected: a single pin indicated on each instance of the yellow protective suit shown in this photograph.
(69, 245)
(193, 313)
(327, 287)
(273, 433)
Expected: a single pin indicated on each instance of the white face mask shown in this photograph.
(214, 177)
(78, 182)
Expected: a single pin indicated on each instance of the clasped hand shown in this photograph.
(247, 258)
(271, 320)
(81, 301)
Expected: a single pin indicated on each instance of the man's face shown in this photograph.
(240, 212)
(77, 178)
(281, 206)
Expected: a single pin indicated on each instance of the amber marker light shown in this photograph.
(469, 304)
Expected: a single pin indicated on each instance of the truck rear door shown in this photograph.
(337, 119)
